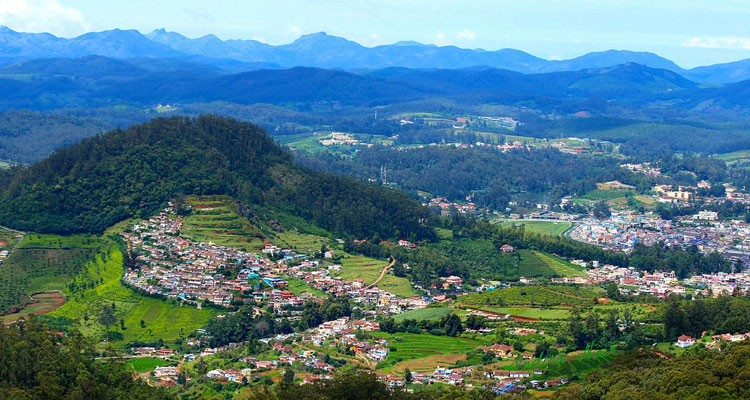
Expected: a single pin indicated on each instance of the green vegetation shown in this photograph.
(407, 346)
(146, 364)
(216, 219)
(298, 286)
(424, 314)
(103, 180)
(546, 313)
(99, 285)
(38, 364)
(542, 227)
(560, 266)
(369, 269)
(606, 195)
(42, 263)
(704, 374)
(546, 296)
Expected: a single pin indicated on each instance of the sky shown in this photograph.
(689, 32)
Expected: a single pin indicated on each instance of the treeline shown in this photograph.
(244, 325)
(684, 262)
(645, 374)
(37, 364)
(724, 314)
(457, 172)
(100, 181)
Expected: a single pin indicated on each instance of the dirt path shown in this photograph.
(383, 272)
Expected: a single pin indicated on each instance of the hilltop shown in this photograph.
(132, 173)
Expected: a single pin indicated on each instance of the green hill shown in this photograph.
(132, 173)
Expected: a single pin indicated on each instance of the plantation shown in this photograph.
(542, 227)
(531, 265)
(424, 314)
(546, 296)
(42, 263)
(560, 266)
(99, 285)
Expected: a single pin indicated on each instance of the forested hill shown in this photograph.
(123, 173)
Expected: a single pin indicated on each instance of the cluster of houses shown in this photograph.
(623, 230)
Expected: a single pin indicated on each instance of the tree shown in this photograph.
(601, 210)
(407, 375)
(107, 317)
(288, 378)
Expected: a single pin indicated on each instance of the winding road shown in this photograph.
(383, 272)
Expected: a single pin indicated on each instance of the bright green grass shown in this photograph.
(48, 241)
(162, 319)
(302, 242)
(414, 345)
(606, 195)
(533, 266)
(560, 266)
(543, 227)
(424, 314)
(544, 296)
(530, 312)
(146, 364)
(298, 286)
(368, 269)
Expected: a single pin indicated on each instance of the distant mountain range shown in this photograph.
(325, 51)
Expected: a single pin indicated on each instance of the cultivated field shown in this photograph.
(543, 227)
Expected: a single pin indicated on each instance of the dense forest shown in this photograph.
(458, 172)
(102, 180)
(37, 364)
(645, 374)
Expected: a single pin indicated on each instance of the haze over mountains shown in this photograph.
(325, 51)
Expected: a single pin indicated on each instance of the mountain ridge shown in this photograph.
(322, 50)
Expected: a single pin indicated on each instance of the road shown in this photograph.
(383, 272)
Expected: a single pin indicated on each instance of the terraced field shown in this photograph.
(216, 219)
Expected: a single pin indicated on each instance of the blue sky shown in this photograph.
(689, 32)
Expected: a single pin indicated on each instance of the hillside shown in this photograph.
(124, 173)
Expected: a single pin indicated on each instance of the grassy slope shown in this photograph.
(368, 269)
(560, 266)
(43, 263)
(413, 346)
(424, 314)
(162, 319)
(216, 219)
(543, 227)
(552, 295)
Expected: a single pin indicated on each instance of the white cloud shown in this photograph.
(466, 34)
(293, 31)
(42, 16)
(440, 39)
(725, 42)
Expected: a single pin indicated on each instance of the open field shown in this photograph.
(424, 314)
(302, 242)
(410, 346)
(298, 286)
(162, 319)
(543, 227)
(545, 296)
(40, 304)
(368, 269)
(606, 195)
(216, 219)
(146, 364)
(560, 266)
(427, 364)
(556, 313)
